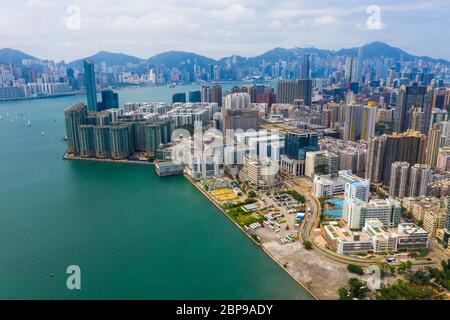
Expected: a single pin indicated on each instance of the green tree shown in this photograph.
(357, 290)
(307, 245)
(355, 269)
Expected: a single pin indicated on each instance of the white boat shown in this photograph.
(43, 133)
(29, 123)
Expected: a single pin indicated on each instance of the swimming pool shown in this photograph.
(338, 203)
(333, 213)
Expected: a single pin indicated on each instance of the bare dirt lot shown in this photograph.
(322, 276)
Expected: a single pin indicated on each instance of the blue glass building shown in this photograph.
(296, 144)
(89, 83)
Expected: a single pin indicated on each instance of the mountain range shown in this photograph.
(176, 58)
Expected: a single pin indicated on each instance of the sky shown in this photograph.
(68, 30)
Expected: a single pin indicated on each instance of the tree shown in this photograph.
(404, 266)
(357, 290)
(307, 245)
(355, 269)
(252, 194)
(402, 290)
(344, 294)
(420, 277)
(386, 269)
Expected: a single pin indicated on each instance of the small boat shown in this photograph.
(29, 123)
(43, 133)
(1, 118)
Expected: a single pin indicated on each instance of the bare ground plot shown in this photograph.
(322, 276)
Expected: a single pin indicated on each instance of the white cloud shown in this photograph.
(217, 28)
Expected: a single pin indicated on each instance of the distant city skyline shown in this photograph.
(51, 29)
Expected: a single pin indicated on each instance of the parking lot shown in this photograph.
(284, 217)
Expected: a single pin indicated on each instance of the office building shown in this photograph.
(110, 100)
(259, 173)
(90, 84)
(195, 96)
(297, 144)
(179, 97)
(321, 163)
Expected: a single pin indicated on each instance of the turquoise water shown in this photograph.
(337, 212)
(134, 235)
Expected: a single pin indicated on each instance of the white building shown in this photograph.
(356, 212)
(355, 187)
(326, 186)
(321, 162)
(236, 101)
(259, 173)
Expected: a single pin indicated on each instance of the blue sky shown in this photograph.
(218, 28)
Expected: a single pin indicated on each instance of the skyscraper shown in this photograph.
(374, 162)
(195, 96)
(408, 146)
(306, 67)
(352, 122)
(351, 69)
(399, 180)
(289, 90)
(179, 97)
(296, 144)
(411, 97)
(420, 177)
(75, 116)
(369, 115)
(433, 146)
(89, 83)
(360, 64)
(237, 114)
(110, 99)
(216, 95)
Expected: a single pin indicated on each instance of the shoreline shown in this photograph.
(312, 294)
(125, 161)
